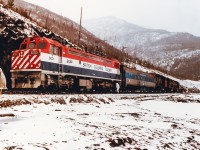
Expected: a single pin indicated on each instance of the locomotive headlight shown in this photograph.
(34, 52)
(15, 54)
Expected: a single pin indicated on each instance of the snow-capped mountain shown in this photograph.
(178, 53)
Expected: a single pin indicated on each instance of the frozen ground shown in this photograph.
(120, 121)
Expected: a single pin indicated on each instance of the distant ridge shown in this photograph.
(178, 53)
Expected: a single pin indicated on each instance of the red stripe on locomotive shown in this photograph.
(19, 61)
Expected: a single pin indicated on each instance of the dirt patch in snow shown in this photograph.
(48, 99)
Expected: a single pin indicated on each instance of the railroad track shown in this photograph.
(70, 92)
(51, 92)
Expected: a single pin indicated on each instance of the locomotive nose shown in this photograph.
(26, 59)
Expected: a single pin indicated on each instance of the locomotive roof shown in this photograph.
(42, 38)
(52, 41)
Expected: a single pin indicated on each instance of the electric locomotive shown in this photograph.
(47, 64)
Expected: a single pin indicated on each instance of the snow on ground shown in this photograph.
(2, 80)
(190, 84)
(111, 121)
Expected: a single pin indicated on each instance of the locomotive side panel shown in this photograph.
(160, 83)
(130, 79)
(174, 86)
(90, 65)
(135, 80)
(148, 80)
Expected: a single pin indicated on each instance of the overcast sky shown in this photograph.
(171, 15)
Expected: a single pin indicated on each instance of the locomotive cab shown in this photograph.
(26, 67)
(24, 59)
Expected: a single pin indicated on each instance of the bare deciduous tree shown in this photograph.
(10, 3)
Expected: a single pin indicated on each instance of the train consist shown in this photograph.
(45, 64)
(134, 80)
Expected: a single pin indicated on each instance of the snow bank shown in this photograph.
(125, 121)
(2, 80)
(17, 100)
(190, 84)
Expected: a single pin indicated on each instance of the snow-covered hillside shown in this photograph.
(15, 26)
(162, 48)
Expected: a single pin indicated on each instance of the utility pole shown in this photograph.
(79, 35)
(123, 48)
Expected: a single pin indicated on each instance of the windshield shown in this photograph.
(41, 45)
(31, 45)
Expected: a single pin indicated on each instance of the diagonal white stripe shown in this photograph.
(14, 62)
(20, 61)
(31, 61)
(24, 61)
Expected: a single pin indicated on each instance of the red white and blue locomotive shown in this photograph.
(47, 64)
(44, 63)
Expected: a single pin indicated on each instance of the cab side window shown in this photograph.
(42, 45)
(52, 49)
(23, 46)
(55, 50)
(31, 45)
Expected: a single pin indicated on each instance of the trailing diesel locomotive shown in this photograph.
(45, 64)
(135, 80)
